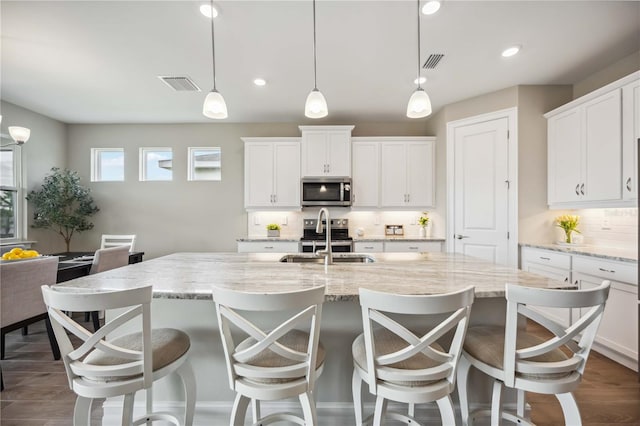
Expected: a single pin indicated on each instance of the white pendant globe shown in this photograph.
(419, 104)
(214, 106)
(316, 105)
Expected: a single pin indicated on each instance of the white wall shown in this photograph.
(46, 148)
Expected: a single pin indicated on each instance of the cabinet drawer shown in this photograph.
(368, 247)
(606, 269)
(406, 246)
(267, 247)
(546, 257)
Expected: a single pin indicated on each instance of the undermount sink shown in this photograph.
(337, 258)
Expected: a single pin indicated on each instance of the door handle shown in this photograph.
(582, 189)
(629, 184)
(458, 236)
(578, 189)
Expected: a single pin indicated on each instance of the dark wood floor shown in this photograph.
(37, 394)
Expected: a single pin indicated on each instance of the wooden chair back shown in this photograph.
(134, 362)
(375, 305)
(232, 306)
(577, 338)
(118, 240)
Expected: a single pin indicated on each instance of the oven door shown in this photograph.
(336, 246)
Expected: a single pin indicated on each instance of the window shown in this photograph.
(107, 164)
(156, 164)
(12, 203)
(205, 164)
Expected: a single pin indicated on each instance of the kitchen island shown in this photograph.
(182, 299)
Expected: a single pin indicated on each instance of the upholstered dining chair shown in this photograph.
(271, 365)
(517, 359)
(110, 258)
(402, 366)
(102, 366)
(118, 240)
(22, 304)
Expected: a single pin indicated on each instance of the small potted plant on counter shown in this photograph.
(273, 230)
(569, 223)
(423, 221)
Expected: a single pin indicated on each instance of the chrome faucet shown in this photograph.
(328, 256)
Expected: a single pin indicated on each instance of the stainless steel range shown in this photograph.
(312, 241)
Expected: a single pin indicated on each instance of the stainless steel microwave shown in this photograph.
(326, 191)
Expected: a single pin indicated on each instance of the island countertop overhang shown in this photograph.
(192, 276)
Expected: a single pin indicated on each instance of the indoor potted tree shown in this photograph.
(62, 204)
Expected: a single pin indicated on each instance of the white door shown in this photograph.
(481, 202)
(286, 180)
(565, 157)
(630, 139)
(420, 173)
(314, 154)
(365, 174)
(258, 172)
(339, 153)
(393, 175)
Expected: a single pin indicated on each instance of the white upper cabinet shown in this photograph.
(326, 151)
(271, 173)
(365, 173)
(630, 140)
(407, 172)
(585, 148)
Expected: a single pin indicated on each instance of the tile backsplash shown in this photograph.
(370, 223)
(609, 227)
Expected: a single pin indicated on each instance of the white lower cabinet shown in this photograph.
(408, 246)
(617, 336)
(268, 246)
(552, 265)
(368, 247)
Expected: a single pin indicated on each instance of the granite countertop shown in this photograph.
(268, 239)
(193, 275)
(621, 255)
(411, 239)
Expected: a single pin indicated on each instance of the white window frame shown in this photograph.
(191, 172)
(96, 171)
(21, 203)
(142, 168)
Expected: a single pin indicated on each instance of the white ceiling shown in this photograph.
(98, 62)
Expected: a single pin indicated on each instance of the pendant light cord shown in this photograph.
(418, 75)
(213, 49)
(315, 82)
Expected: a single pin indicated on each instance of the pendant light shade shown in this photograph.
(214, 105)
(419, 103)
(316, 105)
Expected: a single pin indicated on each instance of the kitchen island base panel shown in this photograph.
(341, 323)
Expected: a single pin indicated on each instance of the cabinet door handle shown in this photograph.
(545, 258)
(458, 236)
(575, 282)
(268, 247)
(275, 198)
(413, 248)
(578, 189)
(566, 279)
(582, 189)
(409, 197)
(368, 247)
(611, 271)
(629, 184)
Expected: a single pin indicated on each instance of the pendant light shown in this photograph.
(316, 105)
(214, 105)
(419, 104)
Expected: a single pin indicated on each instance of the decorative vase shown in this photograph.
(273, 232)
(567, 238)
(422, 232)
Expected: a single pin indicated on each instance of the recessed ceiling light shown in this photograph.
(259, 82)
(431, 7)
(205, 9)
(510, 51)
(420, 80)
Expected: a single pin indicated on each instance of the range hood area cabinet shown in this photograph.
(271, 173)
(585, 148)
(326, 151)
(393, 172)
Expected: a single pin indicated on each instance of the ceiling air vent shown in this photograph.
(432, 61)
(180, 84)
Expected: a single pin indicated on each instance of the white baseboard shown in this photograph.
(616, 356)
(329, 413)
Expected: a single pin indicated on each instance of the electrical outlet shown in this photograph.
(606, 223)
(256, 219)
(284, 220)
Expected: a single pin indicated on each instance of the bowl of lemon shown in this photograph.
(18, 253)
